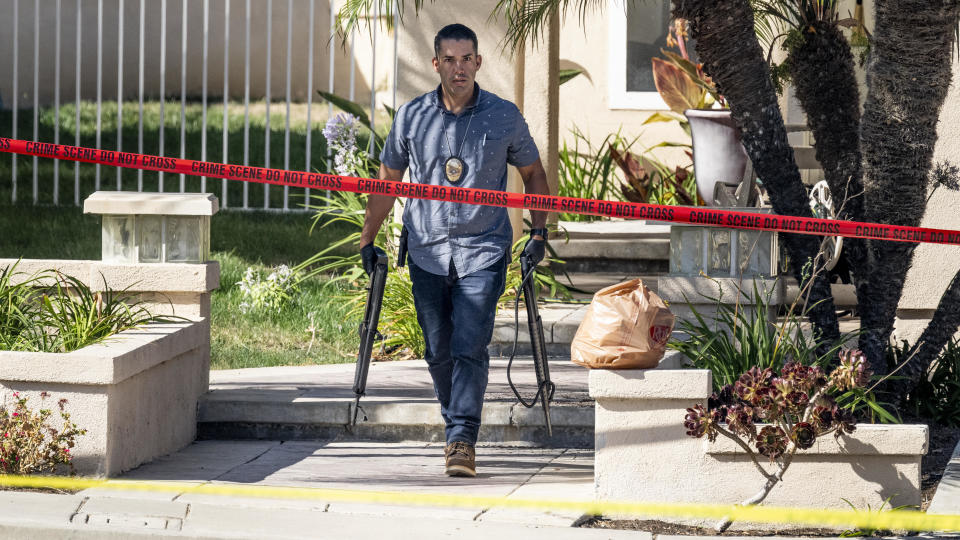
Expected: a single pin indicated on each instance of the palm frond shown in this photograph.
(354, 11)
(529, 19)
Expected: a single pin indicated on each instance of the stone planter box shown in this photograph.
(135, 393)
(643, 452)
(172, 289)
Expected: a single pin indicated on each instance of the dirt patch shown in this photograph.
(662, 527)
(943, 440)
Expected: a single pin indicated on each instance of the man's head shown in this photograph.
(456, 58)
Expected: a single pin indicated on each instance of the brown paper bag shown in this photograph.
(626, 327)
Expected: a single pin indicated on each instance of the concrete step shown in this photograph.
(317, 402)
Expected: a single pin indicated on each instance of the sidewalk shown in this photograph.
(410, 467)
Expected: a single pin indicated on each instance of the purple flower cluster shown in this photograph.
(341, 135)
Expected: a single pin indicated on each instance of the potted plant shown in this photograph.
(718, 155)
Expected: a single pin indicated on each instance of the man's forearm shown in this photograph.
(378, 208)
(536, 184)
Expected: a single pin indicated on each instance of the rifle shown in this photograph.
(368, 331)
(371, 318)
(545, 386)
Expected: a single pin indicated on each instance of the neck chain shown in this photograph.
(454, 168)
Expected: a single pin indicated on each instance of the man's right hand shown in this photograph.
(369, 255)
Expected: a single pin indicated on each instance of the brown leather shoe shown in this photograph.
(460, 459)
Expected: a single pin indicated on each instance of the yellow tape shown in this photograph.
(894, 519)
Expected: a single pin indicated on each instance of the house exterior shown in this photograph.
(612, 46)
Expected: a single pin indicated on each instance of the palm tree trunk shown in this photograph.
(728, 48)
(909, 75)
(821, 68)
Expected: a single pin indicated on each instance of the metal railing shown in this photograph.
(317, 38)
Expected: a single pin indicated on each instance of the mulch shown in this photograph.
(943, 440)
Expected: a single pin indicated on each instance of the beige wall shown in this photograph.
(935, 265)
(415, 72)
(584, 101)
(152, 70)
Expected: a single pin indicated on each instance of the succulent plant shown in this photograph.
(700, 422)
(771, 442)
(844, 421)
(822, 418)
(752, 384)
(796, 406)
(852, 372)
(797, 401)
(740, 421)
(803, 435)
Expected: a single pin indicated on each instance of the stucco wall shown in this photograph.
(935, 265)
(131, 37)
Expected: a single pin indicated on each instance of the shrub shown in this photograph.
(268, 294)
(936, 396)
(30, 443)
(741, 337)
(587, 172)
(66, 315)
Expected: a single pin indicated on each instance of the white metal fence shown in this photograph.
(51, 20)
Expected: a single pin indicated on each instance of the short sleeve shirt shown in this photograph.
(487, 135)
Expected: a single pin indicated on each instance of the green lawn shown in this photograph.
(238, 240)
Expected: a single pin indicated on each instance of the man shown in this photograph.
(457, 135)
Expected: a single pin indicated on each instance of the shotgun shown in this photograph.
(368, 331)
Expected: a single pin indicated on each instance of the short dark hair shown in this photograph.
(454, 31)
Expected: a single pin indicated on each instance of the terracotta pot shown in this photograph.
(718, 154)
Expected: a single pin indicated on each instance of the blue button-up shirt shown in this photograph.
(487, 135)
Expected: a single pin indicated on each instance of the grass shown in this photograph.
(238, 240)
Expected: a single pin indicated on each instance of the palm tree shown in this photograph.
(880, 162)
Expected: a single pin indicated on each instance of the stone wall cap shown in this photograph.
(159, 277)
(109, 362)
(640, 384)
(703, 290)
(172, 204)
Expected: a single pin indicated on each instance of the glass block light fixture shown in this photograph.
(153, 227)
(722, 252)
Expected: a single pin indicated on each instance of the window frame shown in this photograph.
(618, 97)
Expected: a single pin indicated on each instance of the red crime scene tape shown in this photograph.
(676, 214)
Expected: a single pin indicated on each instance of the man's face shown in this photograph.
(457, 65)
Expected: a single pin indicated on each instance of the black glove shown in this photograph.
(369, 255)
(534, 250)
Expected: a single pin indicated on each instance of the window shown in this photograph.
(637, 32)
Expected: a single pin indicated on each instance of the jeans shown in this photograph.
(456, 315)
